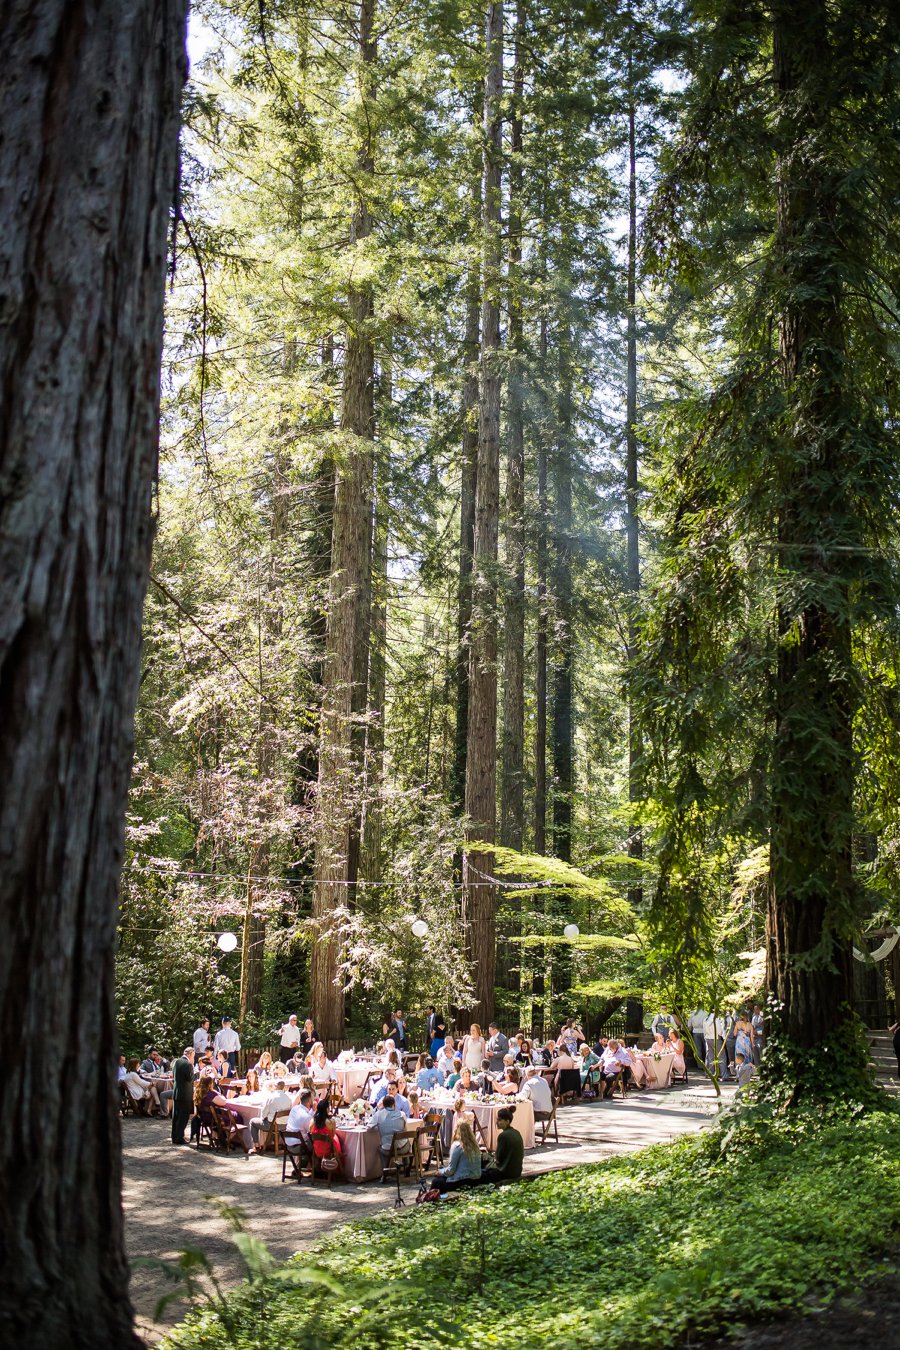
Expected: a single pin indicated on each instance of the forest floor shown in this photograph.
(167, 1190)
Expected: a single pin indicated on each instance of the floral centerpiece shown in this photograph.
(358, 1109)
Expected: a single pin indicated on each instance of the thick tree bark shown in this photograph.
(346, 651)
(810, 917)
(371, 854)
(471, 347)
(632, 536)
(512, 782)
(564, 658)
(479, 894)
(89, 107)
(540, 646)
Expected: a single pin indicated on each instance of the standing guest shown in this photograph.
(397, 1030)
(439, 1031)
(183, 1094)
(510, 1152)
(497, 1046)
(464, 1163)
(290, 1038)
(277, 1101)
(228, 1040)
(308, 1036)
(663, 1022)
(730, 1038)
(743, 1038)
(696, 1023)
(473, 1048)
(757, 1021)
(429, 1025)
(202, 1038)
(714, 1035)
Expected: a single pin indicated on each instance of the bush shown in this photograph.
(692, 1237)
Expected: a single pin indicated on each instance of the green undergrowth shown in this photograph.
(711, 1232)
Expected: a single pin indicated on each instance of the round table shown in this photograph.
(362, 1144)
(659, 1070)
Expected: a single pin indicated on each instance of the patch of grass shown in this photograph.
(709, 1232)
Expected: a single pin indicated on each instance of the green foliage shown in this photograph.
(812, 1205)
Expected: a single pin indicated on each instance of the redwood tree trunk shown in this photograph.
(346, 649)
(479, 896)
(540, 644)
(89, 107)
(811, 909)
(564, 660)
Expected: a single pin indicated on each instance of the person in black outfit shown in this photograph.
(397, 1031)
(509, 1153)
(183, 1096)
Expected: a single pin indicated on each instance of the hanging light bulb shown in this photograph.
(419, 928)
(227, 942)
(571, 930)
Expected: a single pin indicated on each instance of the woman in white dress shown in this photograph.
(474, 1048)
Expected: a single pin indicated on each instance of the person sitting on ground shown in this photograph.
(296, 1127)
(509, 1084)
(250, 1084)
(509, 1154)
(452, 1081)
(323, 1137)
(463, 1165)
(276, 1101)
(589, 1066)
(537, 1090)
(388, 1121)
(428, 1077)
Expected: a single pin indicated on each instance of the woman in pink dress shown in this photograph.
(676, 1046)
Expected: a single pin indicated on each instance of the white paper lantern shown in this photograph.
(571, 930)
(419, 928)
(227, 942)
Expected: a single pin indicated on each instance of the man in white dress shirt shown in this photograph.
(202, 1040)
(290, 1038)
(537, 1090)
(228, 1040)
(296, 1128)
(277, 1100)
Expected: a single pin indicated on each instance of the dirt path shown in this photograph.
(165, 1189)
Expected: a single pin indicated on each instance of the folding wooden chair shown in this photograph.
(568, 1084)
(126, 1101)
(295, 1158)
(230, 1129)
(434, 1121)
(399, 1159)
(274, 1134)
(207, 1128)
(547, 1124)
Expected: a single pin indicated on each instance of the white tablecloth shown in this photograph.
(361, 1145)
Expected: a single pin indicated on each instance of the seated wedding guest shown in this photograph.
(415, 1108)
(122, 1070)
(297, 1062)
(509, 1153)
(676, 1046)
(466, 1081)
(153, 1064)
(140, 1089)
(563, 1060)
(264, 1064)
(251, 1084)
(638, 1066)
(428, 1076)
(323, 1137)
(308, 1037)
(455, 1074)
(659, 1046)
(392, 1060)
(464, 1163)
(515, 1047)
(589, 1066)
(277, 1100)
(322, 1069)
(744, 1069)
(615, 1063)
(400, 1097)
(537, 1090)
(542, 1055)
(509, 1084)
(497, 1046)
(522, 1056)
(388, 1121)
(204, 1092)
(461, 1112)
(446, 1055)
(484, 1081)
(296, 1127)
(385, 1085)
(223, 1066)
(600, 1045)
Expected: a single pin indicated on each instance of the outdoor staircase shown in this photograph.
(881, 1054)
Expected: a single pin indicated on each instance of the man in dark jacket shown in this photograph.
(183, 1099)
